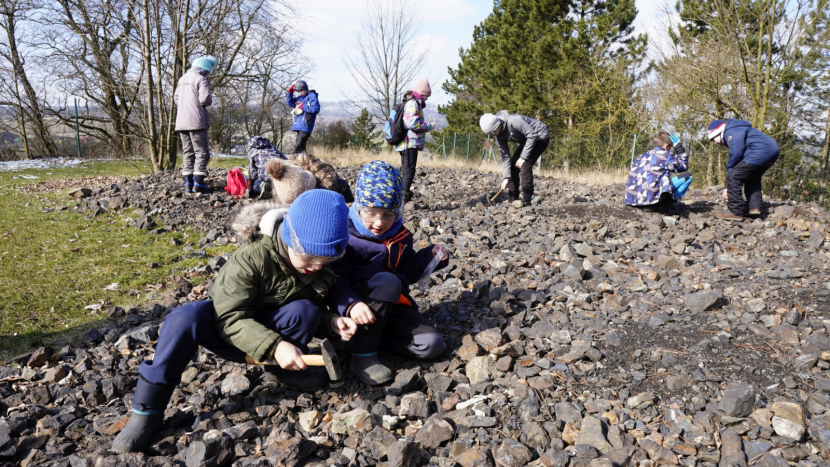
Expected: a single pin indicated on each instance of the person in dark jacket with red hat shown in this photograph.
(751, 154)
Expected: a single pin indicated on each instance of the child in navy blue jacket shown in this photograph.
(751, 153)
(374, 277)
(305, 106)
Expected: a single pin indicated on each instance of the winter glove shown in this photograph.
(674, 139)
(291, 89)
(299, 105)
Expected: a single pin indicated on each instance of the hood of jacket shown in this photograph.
(502, 115)
(258, 219)
(259, 142)
(734, 123)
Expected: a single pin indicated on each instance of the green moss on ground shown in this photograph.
(54, 264)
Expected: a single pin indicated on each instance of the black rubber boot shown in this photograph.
(149, 402)
(527, 197)
(309, 379)
(199, 185)
(188, 183)
(370, 370)
(512, 196)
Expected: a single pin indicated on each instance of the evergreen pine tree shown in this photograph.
(364, 132)
(563, 62)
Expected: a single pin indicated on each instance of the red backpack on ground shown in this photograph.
(237, 183)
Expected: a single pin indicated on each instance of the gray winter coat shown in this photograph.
(192, 97)
(518, 129)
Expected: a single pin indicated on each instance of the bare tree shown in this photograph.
(27, 103)
(386, 59)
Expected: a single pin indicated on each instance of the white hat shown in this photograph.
(489, 123)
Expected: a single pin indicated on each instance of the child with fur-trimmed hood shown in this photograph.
(268, 303)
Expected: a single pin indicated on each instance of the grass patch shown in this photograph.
(54, 264)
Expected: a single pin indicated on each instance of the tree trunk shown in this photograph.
(151, 98)
(36, 116)
(825, 160)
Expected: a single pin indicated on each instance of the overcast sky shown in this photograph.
(446, 26)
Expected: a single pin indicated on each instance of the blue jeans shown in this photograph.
(192, 325)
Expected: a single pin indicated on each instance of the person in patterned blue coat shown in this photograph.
(659, 178)
(374, 277)
(260, 151)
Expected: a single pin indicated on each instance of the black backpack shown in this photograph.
(393, 129)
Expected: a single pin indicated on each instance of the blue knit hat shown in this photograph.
(317, 224)
(715, 128)
(207, 63)
(301, 85)
(379, 185)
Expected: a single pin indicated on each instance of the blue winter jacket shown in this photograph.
(366, 257)
(748, 144)
(311, 107)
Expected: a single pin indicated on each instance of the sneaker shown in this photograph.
(370, 370)
(729, 216)
(310, 379)
(754, 212)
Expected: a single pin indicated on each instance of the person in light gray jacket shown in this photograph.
(192, 97)
(533, 138)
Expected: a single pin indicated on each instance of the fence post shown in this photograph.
(282, 133)
(468, 148)
(77, 129)
(633, 150)
(443, 145)
(454, 138)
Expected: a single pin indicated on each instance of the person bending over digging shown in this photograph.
(374, 276)
(751, 153)
(192, 97)
(659, 178)
(266, 306)
(305, 106)
(533, 138)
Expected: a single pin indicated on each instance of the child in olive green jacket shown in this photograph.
(266, 306)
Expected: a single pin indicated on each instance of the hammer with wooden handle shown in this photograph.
(327, 358)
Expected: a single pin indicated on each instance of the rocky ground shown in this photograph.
(583, 333)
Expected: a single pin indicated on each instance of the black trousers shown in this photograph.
(744, 179)
(300, 141)
(409, 161)
(525, 174)
(399, 328)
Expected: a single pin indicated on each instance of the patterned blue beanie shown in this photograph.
(379, 185)
(207, 63)
(317, 224)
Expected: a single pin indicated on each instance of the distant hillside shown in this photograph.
(345, 110)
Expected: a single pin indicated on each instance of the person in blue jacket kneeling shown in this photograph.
(306, 107)
(751, 154)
